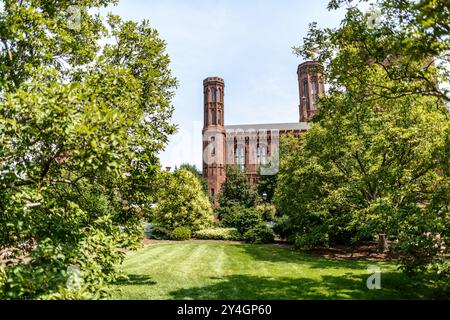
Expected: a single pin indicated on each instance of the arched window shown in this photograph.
(213, 95)
(213, 146)
(261, 153)
(219, 117)
(219, 95)
(213, 116)
(240, 156)
(306, 94)
(314, 93)
(258, 155)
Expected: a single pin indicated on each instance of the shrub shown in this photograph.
(228, 213)
(218, 234)
(283, 227)
(243, 219)
(268, 211)
(46, 274)
(157, 232)
(181, 234)
(148, 228)
(261, 233)
(236, 189)
(315, 237)
(248, 219)
(182, 202)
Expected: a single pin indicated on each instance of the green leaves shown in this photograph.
(376, 158)
(80, 130)
(236, 189)
(181, 202)
(408, 48)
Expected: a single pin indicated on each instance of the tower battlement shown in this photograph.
(213, 79)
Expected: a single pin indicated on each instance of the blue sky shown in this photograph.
(246, 42)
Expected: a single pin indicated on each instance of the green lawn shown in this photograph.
(242, 271)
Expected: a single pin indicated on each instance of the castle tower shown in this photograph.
(213, 135)
(311, 86)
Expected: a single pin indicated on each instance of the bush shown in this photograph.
(261, 233)
(181, 234)
(160, 233)
(243, 219)
(182, 203)
(248, 219)
(317, 236)
(218, 234)
(148, 228)
(157, 232)
(229, 215)
(268, 211)
(236, 189)
(283, 227)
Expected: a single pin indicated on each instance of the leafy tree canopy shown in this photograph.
(80, 129)
(236, 189)
(182, 203)
(376, 159)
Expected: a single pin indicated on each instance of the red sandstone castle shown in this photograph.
(255, 145)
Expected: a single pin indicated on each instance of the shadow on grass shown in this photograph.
(275, 254)
(135, 280)
(328, 287)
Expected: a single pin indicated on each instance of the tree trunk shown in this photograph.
(383, 245)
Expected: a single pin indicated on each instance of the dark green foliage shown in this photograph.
(236, 189)
(266, 184)
(316, 236)
(243, 219)
(160, 233)
(231, 211)
(181, 234)
(376, 160)
(260, 233)
(284, 227)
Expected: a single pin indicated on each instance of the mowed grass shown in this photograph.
(243, 271)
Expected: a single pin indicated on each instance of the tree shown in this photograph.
(359, 168)
(407, 40)
(266, 184)
(80, 130)
(182, 203)
(236, 189)
(192, 168)
(376, 159)
(37, 34)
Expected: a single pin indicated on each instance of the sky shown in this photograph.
(248, 43)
